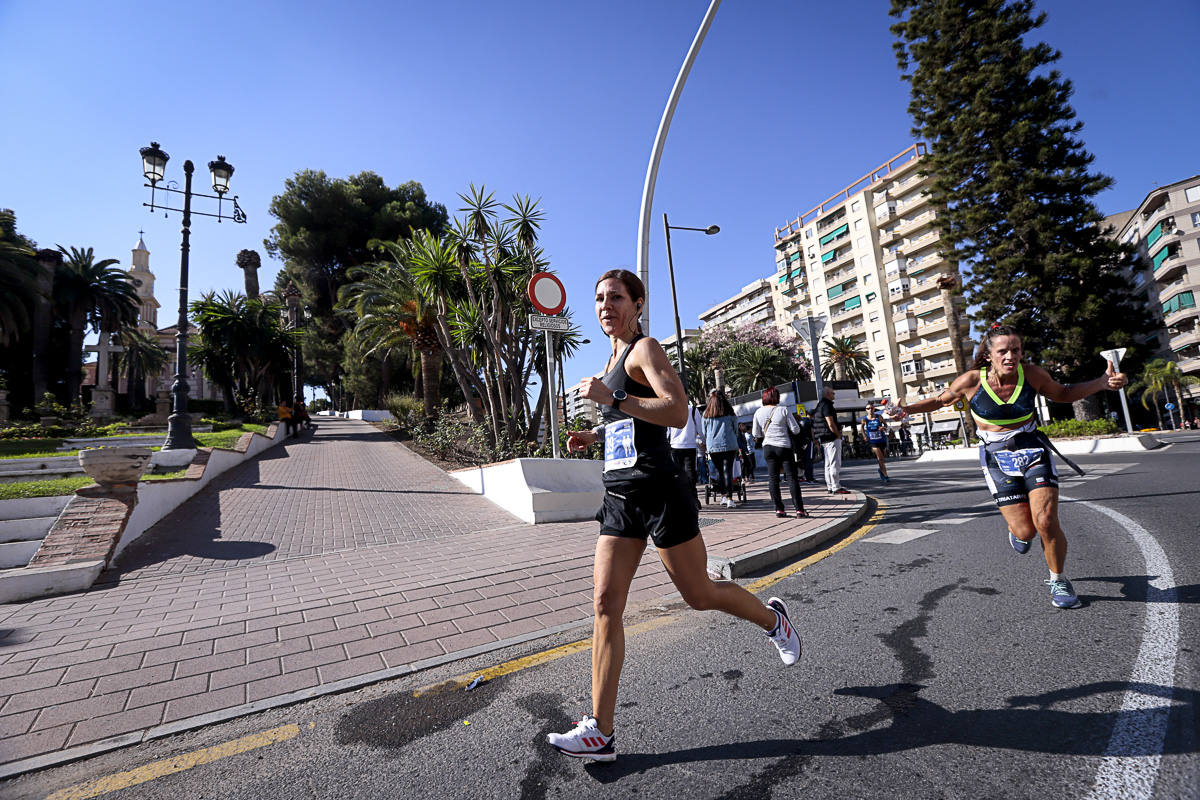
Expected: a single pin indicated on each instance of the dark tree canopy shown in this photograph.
(325, 225)
(1012, 180)
(324, 229)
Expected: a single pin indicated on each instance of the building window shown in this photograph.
(874, 317)
(880, 356)
(866, 278)
(875, 336)
(885, 392)
(1179, 301)
(855, 206)
(858, 223)
(808, 234)
(1196, 219)
(1193, 194)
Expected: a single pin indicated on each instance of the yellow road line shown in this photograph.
(534, 659)
(585, 644)
(775, 577)
(169, 766)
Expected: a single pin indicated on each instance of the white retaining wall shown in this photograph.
(1069, 447)
(540, 490)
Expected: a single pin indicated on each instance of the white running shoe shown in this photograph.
(784, 636)
(585, 741)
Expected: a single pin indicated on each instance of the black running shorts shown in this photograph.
(1012, 475)
(664, 509)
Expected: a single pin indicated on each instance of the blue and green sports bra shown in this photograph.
(988, 408)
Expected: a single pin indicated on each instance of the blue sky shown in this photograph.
(787, 103)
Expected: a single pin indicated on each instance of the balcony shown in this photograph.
(896, 267)
(916, 222)
(1185, 338)
(885, 212)
(912, 370)
(906, 326)
(1169, 270)
(941, 370)
(910, 203)
(1156, 205)
(1190, 365)
(887, 236)
(1180, 315)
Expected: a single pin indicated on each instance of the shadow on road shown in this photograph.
(1030, 724)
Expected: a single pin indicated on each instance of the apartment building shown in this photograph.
(753, 304)
(579, 407)
(867, 260)
(690, 335)
(1165, 228)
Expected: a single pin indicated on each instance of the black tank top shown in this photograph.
(653, 446)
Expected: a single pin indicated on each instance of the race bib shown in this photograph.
(620, 450)
(1015, 462)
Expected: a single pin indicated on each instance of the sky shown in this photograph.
(787, 104)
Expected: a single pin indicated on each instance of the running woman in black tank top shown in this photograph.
(1016, 456)
(644, 497)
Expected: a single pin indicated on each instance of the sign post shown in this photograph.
(548, 296)
(960, 406)
(1114, 356)
(810, 331)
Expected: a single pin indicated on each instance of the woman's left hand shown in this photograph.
(1113, 379)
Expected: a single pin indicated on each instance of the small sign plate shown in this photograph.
(541, 322)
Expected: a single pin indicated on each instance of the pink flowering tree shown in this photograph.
(752, 356)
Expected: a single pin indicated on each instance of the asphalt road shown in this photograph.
(934, 667)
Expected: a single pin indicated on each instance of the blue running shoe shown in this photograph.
(1019, 545)
(1062, 594)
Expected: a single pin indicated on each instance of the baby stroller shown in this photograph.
(713, 486)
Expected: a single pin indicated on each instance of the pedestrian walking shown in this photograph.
(774, 426)
(1002, 389)
(875, 429)
(827, 431)
(686, 443)
(721, 439)
(640, 395)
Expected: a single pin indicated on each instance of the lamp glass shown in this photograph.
(154, 164)
(221, 171)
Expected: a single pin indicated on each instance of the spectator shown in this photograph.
(829, 433)
(749, 462)
(686, 442)
(802, 444)
(300, 412)
(284, 409)
(721, 439)
(774, 425)
(905, 439)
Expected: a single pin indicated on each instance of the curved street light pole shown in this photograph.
(660, 139)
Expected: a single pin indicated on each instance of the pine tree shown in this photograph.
(1012, 181)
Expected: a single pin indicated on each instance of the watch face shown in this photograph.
(619, 395)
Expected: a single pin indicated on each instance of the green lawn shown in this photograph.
(29, 448)
(60, 486)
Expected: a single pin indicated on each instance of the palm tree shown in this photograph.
(844, 360)
(392, 314)
(1159, 375)
(90, 294)
(243, 342)
(750, 367)
(142, 357)
(698, 364)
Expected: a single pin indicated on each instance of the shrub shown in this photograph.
(408, 410)
(1079, 427)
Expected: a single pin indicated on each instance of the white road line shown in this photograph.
(956, 520)
(900, 535)
(1127, 771)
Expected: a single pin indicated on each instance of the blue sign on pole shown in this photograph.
(1169, 406)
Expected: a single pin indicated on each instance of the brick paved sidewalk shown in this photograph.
(322, 565)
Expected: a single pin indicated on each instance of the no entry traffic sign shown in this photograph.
(547, 294)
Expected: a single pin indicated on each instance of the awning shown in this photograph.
(946, 426)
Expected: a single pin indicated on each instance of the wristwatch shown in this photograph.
(618, 396)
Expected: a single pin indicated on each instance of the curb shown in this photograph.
(738, 566)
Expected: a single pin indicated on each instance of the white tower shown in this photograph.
(143, 283)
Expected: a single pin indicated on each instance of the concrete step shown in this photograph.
(39, 475)
(25, 530)
(22, 465)
(17, 554)
(26, 507)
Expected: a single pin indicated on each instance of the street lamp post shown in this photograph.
(154, 164)
(667, 228)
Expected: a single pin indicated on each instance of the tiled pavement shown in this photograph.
(321, 565)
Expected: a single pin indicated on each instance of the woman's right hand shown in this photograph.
(578, 441)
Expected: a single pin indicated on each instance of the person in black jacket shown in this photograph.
(802, 443)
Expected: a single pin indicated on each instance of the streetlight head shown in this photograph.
(711, 229)
(221, 171)
(154, 162)
(291, 296)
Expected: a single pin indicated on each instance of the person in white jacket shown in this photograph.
(686, 442)
(773, 424)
